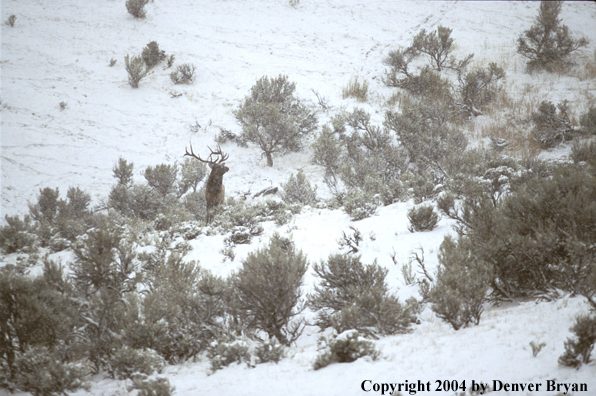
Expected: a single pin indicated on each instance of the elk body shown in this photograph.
(214, 189)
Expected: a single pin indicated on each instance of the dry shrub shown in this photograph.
(393, 100)
(356, 89)
(509, 118)
(588, 70)
(518, 140)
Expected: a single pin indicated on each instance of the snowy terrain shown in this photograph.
(60, 50)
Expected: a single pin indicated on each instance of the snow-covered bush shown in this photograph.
(182, 311)
(191, 173)
(298, 190)
(160, 200)
(273, 118)
(461, 285)
(422, 218)
(354, 296)
(222, 354)
(548, 44)
(269, 351)
(242, 235)
(17, 235)
(162, 178)
(136, 8)
(143, 202)
(360, 205)
(424, 132)
(184, 74)
(241, 220)
(37, 313)
(266, 290)
(422, 186)
(364, 157)
(482, 173)
(225, 135)
(159, 386)
(275, 210)
(104, 271)
(195, 203)
(43, 373)
(352, 241)
(536, 234)
(346, 347)
(327, 151)
(126, 362)
(551, 127)
(579, 348)
(152, 55)
(136, 69)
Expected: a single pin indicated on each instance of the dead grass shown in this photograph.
(518, 137)
(588, 69)
(392, 101)
(356, 89)
(509, 118)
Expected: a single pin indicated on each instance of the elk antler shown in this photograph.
(209, 160)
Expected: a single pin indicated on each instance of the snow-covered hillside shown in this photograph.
(67, 116)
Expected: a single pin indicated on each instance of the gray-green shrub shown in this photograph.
(267, 289)
(181, 313)
(360, 205)
(126, 362)
(136, 8)
(11, 20)
(222, 354)
(162, 178)
(36, 313)
(478, 88)
(584, 152)
(159, 386)
(43, 373)
(438, 45)
(269, 351)
(422, 218)
(579, 348)
(273, 118)
(551, 127)
(17, 235)
(136, 69)
(461, 285)
(351, 295)
(588, 121)
(346, 348)
(152, 55)
(548, 44)
(298, 190)
(184, 74)
(424, 132)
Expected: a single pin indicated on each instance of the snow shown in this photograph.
(60, 50)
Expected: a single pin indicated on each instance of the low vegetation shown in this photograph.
(132, 303)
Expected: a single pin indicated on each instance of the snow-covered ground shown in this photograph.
(59, 51)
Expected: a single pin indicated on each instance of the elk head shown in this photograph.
(214, 189)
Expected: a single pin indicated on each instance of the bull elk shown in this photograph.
(214, 189)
